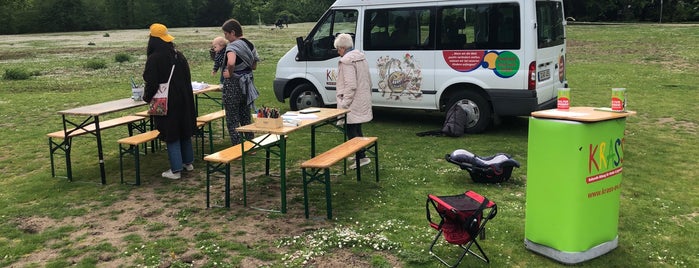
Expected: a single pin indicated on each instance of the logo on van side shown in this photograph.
(399, 78)
(331, 77)
(504, 64)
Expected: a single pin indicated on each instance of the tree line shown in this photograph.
(38, 16)
(659, 11)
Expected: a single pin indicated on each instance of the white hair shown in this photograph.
(344, 41)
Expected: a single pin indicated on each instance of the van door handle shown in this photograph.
(544, 64)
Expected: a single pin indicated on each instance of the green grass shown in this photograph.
(163, 221)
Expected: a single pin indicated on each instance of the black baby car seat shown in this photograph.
(495, 168)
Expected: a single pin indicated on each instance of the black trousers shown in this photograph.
(355, 130)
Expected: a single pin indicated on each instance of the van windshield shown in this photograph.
(322, 37)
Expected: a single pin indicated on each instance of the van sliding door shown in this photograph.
(399, 45)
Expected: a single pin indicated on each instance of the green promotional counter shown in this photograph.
(574, 170)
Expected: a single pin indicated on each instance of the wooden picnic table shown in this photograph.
(87, 118)
(325, 116)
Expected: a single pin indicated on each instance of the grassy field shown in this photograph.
(50, 222)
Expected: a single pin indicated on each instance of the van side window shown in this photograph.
(398, 29)
(377, 29)
(483, 26)
(322, 37)
(550, 23)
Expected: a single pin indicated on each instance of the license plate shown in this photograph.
(544, 75)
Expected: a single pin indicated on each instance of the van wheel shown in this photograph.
(304, 96)
(477, 107)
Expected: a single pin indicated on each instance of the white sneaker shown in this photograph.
(188, 167)
(362, 162)
(173, 176)
(350, 159)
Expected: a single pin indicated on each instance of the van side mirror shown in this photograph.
(302, 50)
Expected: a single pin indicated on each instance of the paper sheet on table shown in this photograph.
(298, 116)
(199, 86)
(291, 122)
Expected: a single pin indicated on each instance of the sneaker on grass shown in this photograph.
(362, 162)
(170, 175)
(188, 167)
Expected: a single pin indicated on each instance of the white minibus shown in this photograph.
(491, 57)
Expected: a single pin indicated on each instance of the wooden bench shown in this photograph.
(143, 113)
(66, 136)
(318, 168)
(134, 143)
(206, 120)
(221, 162)
(147, 125)
(147, 121)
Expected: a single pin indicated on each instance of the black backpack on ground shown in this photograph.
(454, 124)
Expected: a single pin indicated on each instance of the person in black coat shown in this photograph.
(177, 127)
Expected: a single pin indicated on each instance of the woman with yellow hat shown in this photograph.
(177, 127)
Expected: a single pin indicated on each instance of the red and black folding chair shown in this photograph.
(461, 221)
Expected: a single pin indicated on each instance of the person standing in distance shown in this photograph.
(353, 90)
(177, 127)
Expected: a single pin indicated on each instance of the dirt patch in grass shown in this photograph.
(687, 126)
(162, 209)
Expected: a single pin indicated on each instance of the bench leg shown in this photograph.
(226, 170)
(137, 163)
(51, 150)
(64, 146)
(135, 151)
(211, 139)
(223, 125)
(141, 127)
(69, 169)
(227, 189)
(328, 194)
(202, 133)
(375, 154)
(245, 189)
(358, 168)
(322, 176)
(199, 134)
(121, 164)
(208, 182)
(305, 191)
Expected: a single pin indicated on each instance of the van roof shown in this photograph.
(343, 3)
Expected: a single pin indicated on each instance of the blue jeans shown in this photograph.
(180, 152)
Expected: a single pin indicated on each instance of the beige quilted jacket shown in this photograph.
(354, 87)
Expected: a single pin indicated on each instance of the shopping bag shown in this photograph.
(158, 105)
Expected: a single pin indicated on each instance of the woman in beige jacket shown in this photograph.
(353, 89)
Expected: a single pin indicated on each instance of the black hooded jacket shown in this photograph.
(180, 121)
